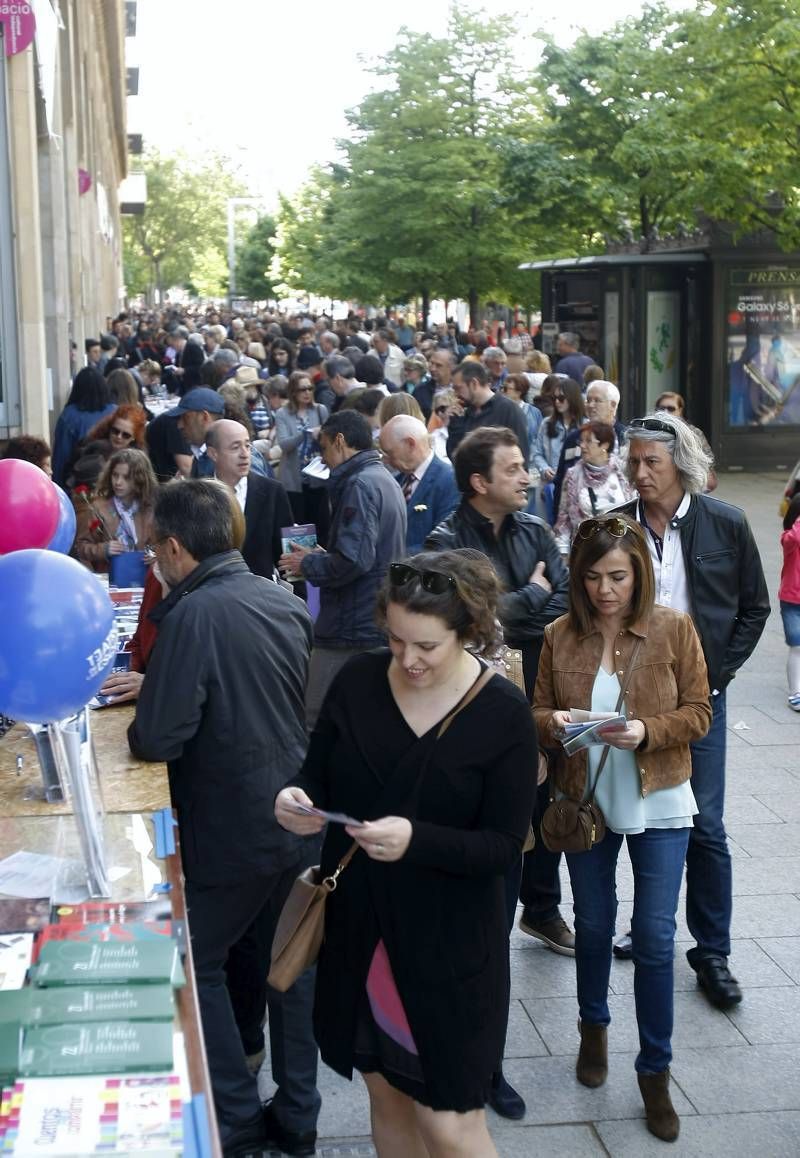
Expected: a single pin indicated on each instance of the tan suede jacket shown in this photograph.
(668, 692)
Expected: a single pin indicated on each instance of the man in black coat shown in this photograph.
(483, 407)
(263, 500)
(189, 357)
(223, 703)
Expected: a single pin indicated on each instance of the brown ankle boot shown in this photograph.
(591, 1068)
(661, 1117)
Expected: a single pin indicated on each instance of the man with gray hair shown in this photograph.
(707, 564)
(329, 343)
(570, 361)
(494, 359)
(341, 376)
(427, 482)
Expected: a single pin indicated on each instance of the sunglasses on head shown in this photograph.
(434, 582)
(653, 424)
(121, 433)
(613, 524)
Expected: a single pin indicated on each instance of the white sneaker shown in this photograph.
(794, 702)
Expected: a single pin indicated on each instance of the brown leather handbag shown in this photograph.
(301, 925)
(578, 825)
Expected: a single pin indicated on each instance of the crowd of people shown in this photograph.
(477, 511)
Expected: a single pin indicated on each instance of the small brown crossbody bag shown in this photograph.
(578, 825)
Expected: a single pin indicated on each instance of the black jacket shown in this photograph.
(526, 608)
(266, 510)
(496, 411)
(223, 704)
(730, 603)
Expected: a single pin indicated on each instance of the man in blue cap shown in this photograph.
(197, 411)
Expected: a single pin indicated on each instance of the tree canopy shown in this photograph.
(254, 259)
(180, 239)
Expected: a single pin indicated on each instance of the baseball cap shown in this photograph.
(201, 398)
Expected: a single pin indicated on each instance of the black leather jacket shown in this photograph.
(526, 608)
(729, 599)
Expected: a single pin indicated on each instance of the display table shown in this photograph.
(131, 792)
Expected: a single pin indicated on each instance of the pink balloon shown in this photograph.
(29, 506)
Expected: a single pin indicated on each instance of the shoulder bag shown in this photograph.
(301, 925)
(578, 825)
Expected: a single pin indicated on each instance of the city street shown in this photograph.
(735, 1075)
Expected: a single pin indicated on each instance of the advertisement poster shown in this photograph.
(763, 346)
(663, 349)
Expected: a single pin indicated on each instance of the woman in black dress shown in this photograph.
(413, 978)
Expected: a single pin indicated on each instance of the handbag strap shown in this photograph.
(623, 689)
(478, 686)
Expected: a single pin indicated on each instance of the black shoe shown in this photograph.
(504, 1099)
(623, 948)
(246, 1140)
(288, 1141)
(717, 982)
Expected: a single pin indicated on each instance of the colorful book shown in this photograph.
(65, 1004)
(107, 963)
(52, 1051)
(79, 1117)
(298, 535)
(24, 916)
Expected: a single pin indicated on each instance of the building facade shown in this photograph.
(63, 156)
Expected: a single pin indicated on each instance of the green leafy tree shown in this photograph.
(183, 225)
(254, 261)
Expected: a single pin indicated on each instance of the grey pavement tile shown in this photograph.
(740, 1079)
(786, 806)
(785, 951)
(766, 757)
(762, 875)
(736, 850)
(554, 1095)
(519, 1140)
(766, 916)
(696, 1024)
(345, 1105)
(774, 1135)
(758, 780)
(777, 709)
(769, 1016)
(538, 972)
(522, 1040)
(761, 730)
(751, 965)
(775, 840)
(741, 810)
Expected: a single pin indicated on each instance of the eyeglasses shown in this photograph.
(121, 433)
(653, 424)
(559, 398)
(434, 582)
(442, 409)
(614, 525)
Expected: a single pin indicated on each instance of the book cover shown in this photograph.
(16, 950)
(581, 735)
(77, 1117)
(127, 931)
(106, 963)
(90, 1048)
(65, 1004)
(298, 535)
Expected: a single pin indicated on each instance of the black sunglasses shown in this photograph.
(653, 424)
(614, 525)
(121, 433)
(559, 397)
(434, 582)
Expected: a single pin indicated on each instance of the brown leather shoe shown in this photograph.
(555, 934)
(661, 1117)
(591, 1068)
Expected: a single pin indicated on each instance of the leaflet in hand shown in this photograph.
(588, 728)
(332, 817)
(298, 535)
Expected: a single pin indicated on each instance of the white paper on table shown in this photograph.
(16, 950)
(29, 874)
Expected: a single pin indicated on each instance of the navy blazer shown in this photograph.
(438, 495)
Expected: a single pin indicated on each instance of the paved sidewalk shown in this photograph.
(736, 1075)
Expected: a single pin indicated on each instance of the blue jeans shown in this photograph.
(657, 857)
(709, 882)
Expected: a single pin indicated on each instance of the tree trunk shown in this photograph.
(159, 286)
(472, 300)
(426, 308)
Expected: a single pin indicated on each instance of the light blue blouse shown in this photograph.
(619, 790)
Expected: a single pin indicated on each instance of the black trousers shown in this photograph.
(235, 923)
(540, 890)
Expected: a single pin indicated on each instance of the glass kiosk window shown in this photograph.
(763, 346)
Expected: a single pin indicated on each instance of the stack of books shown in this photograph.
(88, 1051)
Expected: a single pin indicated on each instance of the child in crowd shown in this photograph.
(789, 595)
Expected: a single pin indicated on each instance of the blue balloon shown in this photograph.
(64, 537)
(58, 640)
